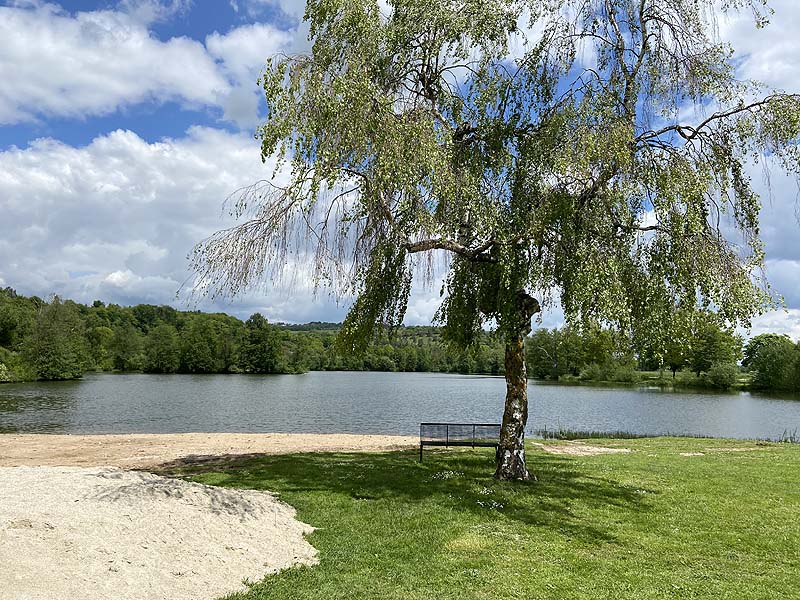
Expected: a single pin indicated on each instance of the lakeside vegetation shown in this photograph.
(651, 523)
(60, 339)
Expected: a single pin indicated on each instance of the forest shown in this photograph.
(57, 339)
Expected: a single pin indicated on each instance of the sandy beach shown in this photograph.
(147, 451)
(77, 520)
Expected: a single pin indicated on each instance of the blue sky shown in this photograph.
(154, 117)
(124, 125)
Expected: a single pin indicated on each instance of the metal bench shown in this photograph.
(475, 435)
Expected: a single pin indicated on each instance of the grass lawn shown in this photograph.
(648, 524)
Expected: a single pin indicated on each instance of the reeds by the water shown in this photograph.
(788, 437)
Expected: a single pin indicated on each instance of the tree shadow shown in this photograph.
(566, 491)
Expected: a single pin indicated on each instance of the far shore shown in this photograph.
(146, 451)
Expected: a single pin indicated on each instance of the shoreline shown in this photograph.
(145, 450)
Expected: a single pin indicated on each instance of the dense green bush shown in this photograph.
(5, 373)
(14, 368)
(774, 362)
(722, 375)
(592, 372)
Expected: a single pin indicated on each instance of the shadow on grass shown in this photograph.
(567, 490)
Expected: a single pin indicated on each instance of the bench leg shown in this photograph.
(420, 453)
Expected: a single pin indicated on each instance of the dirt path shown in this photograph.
(142, 451)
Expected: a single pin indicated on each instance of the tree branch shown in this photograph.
(474, 254)
(689, 132)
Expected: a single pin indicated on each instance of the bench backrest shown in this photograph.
(459, 432)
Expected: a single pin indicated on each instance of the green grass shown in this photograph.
(648, 524)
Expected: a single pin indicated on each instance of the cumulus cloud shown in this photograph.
(54, 63)
(768, 55)
(242, 54)
(778, 321)
(115, 220)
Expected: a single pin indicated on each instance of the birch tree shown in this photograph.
(587, 154)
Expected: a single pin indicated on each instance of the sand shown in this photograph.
(146, 451)
(86, 527)
(100, 532)
(578, 448)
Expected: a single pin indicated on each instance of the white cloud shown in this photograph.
(122, 212)
(53, 63)
(152, 11)
(244, 50)
(291, 9)
(115, 220)
(768, 55)
(779, 321)
(243, 53)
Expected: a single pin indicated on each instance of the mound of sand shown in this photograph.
(98, 533)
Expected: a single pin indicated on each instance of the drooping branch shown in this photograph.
(478, 254)
(690, 132)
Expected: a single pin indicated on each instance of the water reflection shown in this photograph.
(40, 407)
(392, 403)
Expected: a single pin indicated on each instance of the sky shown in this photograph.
(124, 125)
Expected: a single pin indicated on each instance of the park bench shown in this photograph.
(474, 435)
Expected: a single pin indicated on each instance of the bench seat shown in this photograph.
(474, 435)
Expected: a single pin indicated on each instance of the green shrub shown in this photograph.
(5, 374)
(722, 375)
(593, 372)
(625, 373)
(14, 368)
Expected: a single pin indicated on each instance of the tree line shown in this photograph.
(698, 352)
(59, 339)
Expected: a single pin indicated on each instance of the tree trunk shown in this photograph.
(511, 462)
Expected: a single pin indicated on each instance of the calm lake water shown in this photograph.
(390, 403)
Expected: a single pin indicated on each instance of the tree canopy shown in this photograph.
(590, 154)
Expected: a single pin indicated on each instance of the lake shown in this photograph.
(366, 402)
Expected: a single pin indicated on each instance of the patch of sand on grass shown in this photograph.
(731, 449)
(98, 533)
(143, 451)
(577, 448)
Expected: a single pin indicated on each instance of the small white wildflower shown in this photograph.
(447, 475)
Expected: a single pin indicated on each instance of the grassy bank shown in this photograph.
(648, 524)
(683, 380)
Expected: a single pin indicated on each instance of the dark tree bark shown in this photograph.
(511, 461)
